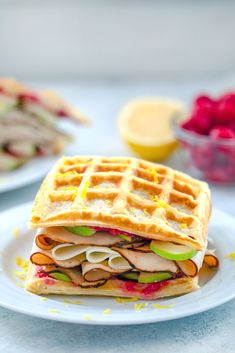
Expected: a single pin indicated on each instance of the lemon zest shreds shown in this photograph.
(74, 189)
(43, 299)
(20, 285)
(54, 311)
(84, 190)
(69, 188)
(20, 274)
(16, 232)
(107, 311)
(88, 317)
(66, 301)
(24, 264)
(63, 175)
(155, 198)
(163, 204)
(125, 300)
(159, 306)
(140, 306)
(230, 256)
(154, 174)
(183, 225)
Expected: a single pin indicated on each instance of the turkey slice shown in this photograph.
(147, 261)
(94, 272)
(93, 254)
(75, 275)
(61, 235)
(44, 257)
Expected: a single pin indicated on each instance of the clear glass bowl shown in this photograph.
(205, 158)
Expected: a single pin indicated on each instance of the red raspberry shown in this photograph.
(203, 100)
(202, 124)
(225, 111)
(222, 132)
(188, 125)
(232, 126)
(228, 97)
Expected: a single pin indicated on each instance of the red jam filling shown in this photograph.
(112, 231)
(30, 97)
(40, 273)
(61, 113)
(143, 290)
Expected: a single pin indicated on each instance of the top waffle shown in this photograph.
(133, 195)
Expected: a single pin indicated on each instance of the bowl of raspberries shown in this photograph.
(207, 138)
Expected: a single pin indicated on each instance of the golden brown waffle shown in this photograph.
(133, 195)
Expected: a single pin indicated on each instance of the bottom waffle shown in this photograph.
(113, 287)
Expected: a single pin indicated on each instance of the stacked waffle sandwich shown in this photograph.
(28, 123)
(118, 227)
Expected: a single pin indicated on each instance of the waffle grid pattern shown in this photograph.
(131, 189)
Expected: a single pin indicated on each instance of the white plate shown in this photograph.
(218, 290)
(37, 168)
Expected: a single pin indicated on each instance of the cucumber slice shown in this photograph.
(21, 149)
(60, 276)
(130, 275)
(125, 237)
(146, 277)
(40, 113)
(81, 230)
(8, 162)
(6, 105)
(172, 251)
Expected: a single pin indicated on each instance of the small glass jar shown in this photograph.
(206, 158)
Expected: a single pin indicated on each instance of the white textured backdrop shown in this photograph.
(117, 38)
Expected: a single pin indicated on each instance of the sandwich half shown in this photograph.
(28, 123)
(118, 227)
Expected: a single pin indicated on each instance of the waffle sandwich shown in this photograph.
(28, 123)
(118, 227)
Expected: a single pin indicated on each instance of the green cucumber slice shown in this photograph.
(130, 275)
(81, 230)
(60, 276)
(172, 251)
(146, 277)
(125, 237)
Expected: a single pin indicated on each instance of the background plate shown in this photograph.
(220, 289)
(32, 171)
(38, 167)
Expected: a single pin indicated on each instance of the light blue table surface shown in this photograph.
(212, 331)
